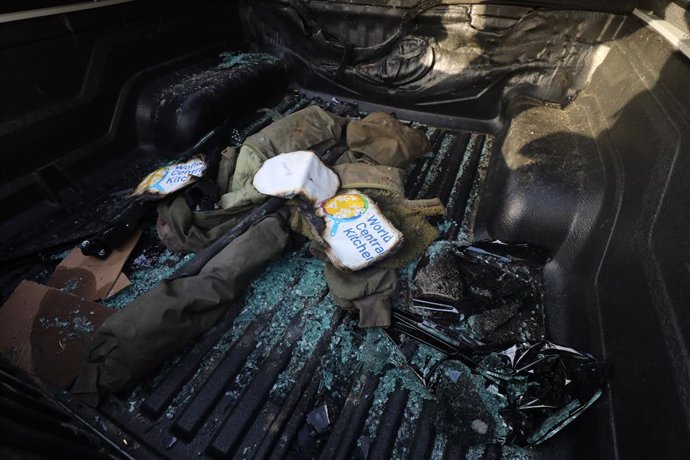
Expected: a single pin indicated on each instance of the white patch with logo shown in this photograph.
(172, 178)
(357, 232)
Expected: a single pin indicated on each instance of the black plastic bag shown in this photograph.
(526, 393)
(502, 382)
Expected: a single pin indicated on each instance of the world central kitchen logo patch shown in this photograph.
(171, 178)
(357, 233)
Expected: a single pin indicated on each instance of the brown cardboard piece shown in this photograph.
(45, 331)
(89, 277)
(121, 283)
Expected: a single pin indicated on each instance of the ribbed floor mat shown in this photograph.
(286, 374)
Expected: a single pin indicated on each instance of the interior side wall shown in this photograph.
(603, 185)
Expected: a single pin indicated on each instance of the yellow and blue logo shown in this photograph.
(344, 208)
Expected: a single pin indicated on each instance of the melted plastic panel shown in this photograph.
(457, 60)
(256, 385)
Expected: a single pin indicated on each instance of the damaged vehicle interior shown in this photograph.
(329, 229)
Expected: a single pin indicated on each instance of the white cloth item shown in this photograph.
(297, 173)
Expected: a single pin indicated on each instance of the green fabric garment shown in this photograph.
(183, 229)
(381, 143)
(368, 176)
(308, 129)
(241, 192)
(369, 291)
(381, 139)
(135, 341)
(226, 168)
(379, 146)
(375, 309)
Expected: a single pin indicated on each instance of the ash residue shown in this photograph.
(230, 60)
(71, 284)
(71, 328)
(82, 325)
(440, 279)
(53, 323)
(227, 67)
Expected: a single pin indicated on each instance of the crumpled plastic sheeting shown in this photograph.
(514, 387)
(521, 395)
